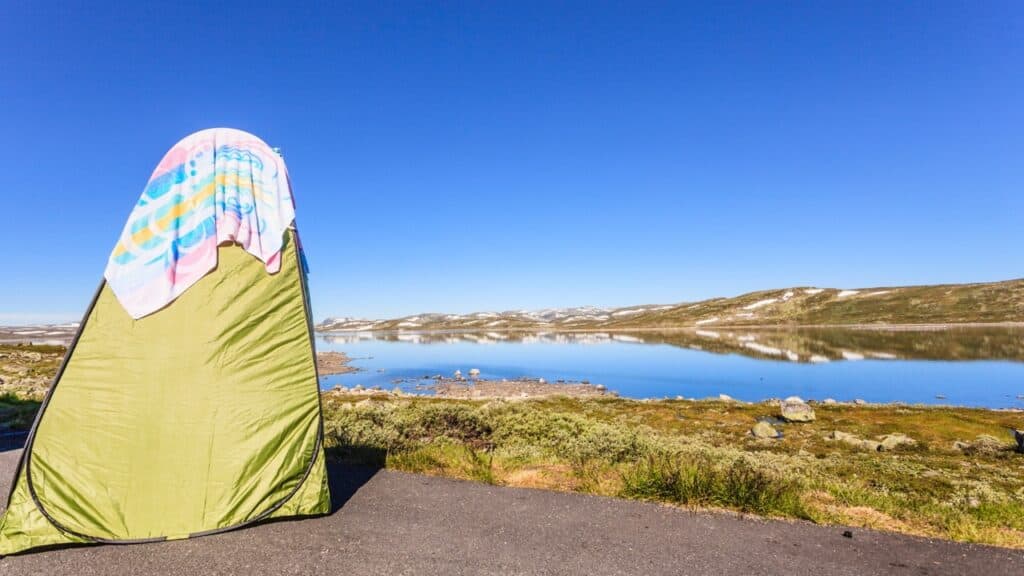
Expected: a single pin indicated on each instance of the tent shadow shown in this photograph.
(12, 440)
(345, 478)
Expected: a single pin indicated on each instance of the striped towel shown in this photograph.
(215, 186)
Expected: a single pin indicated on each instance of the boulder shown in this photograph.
(893, 441)
(853, 440)
(983, 444)
(458, 374)
(795, 409)
(764, 430)
(1018, 435)
(987, 444)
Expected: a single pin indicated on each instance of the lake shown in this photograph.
(959, 366)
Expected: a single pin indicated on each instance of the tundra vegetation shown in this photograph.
(931, 471)
(957, 477)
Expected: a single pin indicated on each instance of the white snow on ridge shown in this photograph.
(760, 303)
(875, 293)
(408, 324)
(813, 291)
(763, 349)
(852, 355)
(707, 321)
(629, 312)
(818, 359)
(845, 293)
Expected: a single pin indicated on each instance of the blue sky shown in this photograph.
(464, 156)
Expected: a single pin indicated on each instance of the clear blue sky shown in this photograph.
(466, 157)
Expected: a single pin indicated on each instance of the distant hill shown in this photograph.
(802, 306)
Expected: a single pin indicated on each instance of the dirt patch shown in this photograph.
(329, 363)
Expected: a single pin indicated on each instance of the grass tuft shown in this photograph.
(702, 482)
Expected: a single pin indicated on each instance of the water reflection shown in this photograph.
(803, 345)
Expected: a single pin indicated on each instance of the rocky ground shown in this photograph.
(329, 363)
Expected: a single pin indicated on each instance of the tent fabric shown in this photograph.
(215, 186)
(201, 417)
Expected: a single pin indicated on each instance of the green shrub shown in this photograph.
(575, 438)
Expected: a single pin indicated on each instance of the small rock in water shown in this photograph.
(764, 430)
(458, 374)
(940, 396)
(795, 409)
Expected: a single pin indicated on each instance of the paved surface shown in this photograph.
(395, 523)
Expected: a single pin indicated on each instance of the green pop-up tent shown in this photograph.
(188, 403)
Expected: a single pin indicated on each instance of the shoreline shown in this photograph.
(690, 327)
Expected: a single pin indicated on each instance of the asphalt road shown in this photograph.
(395, 523)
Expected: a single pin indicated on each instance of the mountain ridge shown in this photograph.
(987, 302)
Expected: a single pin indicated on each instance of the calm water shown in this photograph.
(970, 367)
